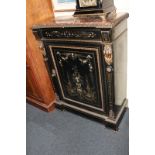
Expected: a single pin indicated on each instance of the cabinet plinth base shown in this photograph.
(42, 106)
(104, 119)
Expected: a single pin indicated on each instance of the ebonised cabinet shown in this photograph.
(86, 58)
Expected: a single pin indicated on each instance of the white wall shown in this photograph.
(122, 5)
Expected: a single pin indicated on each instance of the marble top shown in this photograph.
(83, 21)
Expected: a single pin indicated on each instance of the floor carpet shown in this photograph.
(66, 133)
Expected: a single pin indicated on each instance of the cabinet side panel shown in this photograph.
(120, 67)
(38, 11)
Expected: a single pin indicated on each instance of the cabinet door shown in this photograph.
(78, 70)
